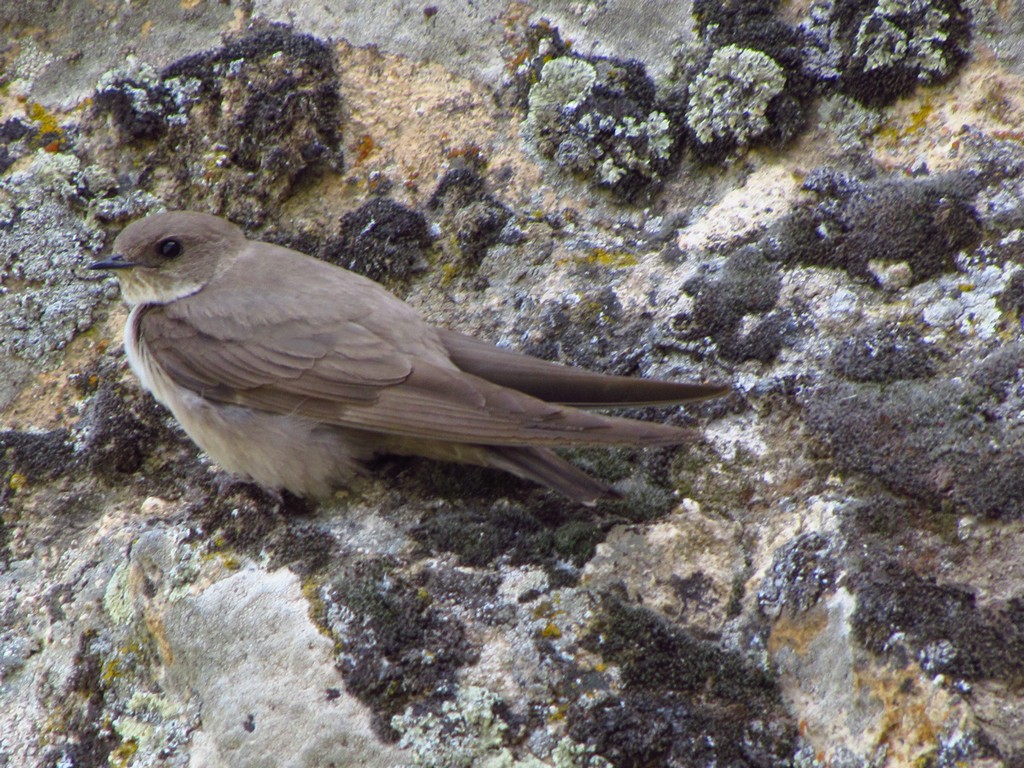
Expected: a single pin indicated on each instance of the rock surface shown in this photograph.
(820, 202)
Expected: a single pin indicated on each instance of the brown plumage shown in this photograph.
(294, 372)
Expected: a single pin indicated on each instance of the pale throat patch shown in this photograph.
(140, 285)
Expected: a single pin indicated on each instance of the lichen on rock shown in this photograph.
(235, 129)
(729, 99)
(879, 50)
(46, 235)
(599, 119)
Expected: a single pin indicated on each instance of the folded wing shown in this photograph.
(349, 376)
(562, 384)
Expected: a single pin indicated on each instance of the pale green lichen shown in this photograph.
(465, 733)
(564, 83)
(619, 140)
(146, 90)
(45, 235)
(850, 121)
(569, 754)
(117, 598)
(133, 730)
(468, 734)
(144, 703)
(729, 99)
(884, 39)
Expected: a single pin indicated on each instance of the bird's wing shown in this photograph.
(562, 384)
(350, 376)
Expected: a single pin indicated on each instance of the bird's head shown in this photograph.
(168, 256)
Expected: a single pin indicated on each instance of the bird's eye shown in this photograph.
(169, 248)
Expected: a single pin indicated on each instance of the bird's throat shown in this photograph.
(142, 285)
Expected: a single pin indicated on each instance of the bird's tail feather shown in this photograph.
(562, 384)
(545, 467)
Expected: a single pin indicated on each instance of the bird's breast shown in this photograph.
(148, 370)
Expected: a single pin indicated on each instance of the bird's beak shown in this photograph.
(116, 261)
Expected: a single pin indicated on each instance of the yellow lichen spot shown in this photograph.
(919, 118)
(124, 753)
(557, 713)
(605, 257)
(889, 134)
(188, 5)
(318, 610)
(448, 273)
(47, 123)
(551, 631)
(600, 667)
(37, 113)
(111, 671)
(18, 481)
(543, 609)
(966, 287)
(147, 27)
(894, 133)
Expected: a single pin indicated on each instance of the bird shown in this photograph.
(294, 373)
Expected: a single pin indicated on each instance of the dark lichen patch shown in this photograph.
(923, 222)
(684, 700)
(747, 284)
(886, 353)
(941, 625)
(17, 138)
(1000, 374)
(305, 549)
(77, 735)
(594, 333)
(454, 483)
(395, 648)
(471, 218)
(747, 83)
(944, 442)
(520, 534)
(383, 240)
(695, 592)
(124, 435)
(1011, 299)
(236, 517)
(802, 571)
(878, 519)
(667, 729)
(235, 514)
(472, 591)
(34, 456)
(600, 119)
(114, 439)
(877, 51)
(14, 129)
(6, 555)
(252, 120)
(657, 656)
(492, 517)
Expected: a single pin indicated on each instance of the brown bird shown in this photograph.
(294, 372)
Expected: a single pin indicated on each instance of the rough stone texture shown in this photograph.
(820, 202)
